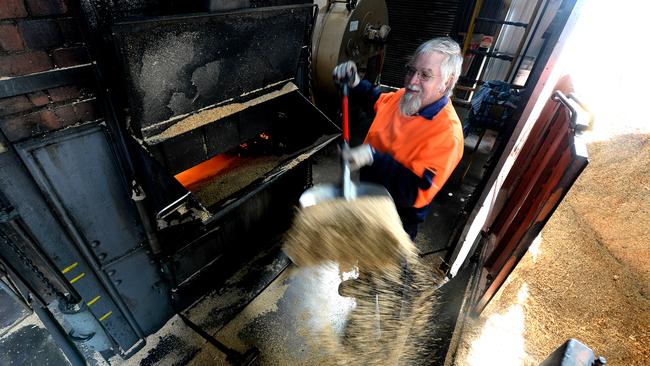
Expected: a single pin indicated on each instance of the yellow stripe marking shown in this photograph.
(68, 268)
(106, 315)
(77, 278)
(93, 300)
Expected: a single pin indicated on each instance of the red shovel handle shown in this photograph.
(344, 111)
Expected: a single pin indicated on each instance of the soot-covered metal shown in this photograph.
(105, 205)
(222, 136)
(177, 65)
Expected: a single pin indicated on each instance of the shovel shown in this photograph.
(348, 189)
(348, 223)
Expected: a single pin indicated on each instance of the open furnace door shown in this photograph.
(548, 164)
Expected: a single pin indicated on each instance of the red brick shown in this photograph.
(41, 34)
(76, 112)
(10, 9)
(70, 30)
(38, 98)
(20, 127)
(67, 114)
(86, 110)
(64, 57)
(45, 7)
(64, 93)
(15, 104)
(10, 39)
(24, 63)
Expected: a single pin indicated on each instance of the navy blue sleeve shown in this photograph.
(365, 94)
(401, 183)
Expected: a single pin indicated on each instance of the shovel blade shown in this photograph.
(326, 192)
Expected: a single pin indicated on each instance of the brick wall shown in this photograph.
(38, 36)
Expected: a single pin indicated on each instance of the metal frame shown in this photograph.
(45, 80)
(539, 76)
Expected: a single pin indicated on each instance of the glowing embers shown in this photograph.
(206, 170)
(214, 180)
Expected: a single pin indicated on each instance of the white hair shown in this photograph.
(452, 62)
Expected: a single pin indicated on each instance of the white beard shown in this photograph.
(410, 103)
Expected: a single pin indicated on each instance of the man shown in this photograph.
(416, 138)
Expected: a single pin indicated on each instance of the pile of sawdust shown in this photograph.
(591, 278)
(367, 231)
(210, 115)
(233, 179)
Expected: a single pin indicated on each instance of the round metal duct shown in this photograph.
(348, 31)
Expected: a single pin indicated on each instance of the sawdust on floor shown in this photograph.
(395, 304)
(590, 279)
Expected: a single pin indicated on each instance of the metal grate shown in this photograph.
(413, 22)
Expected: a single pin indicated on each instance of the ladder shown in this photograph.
(516, 58)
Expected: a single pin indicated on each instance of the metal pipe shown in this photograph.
(128, 169)
(470, 29)
(57, 332)
(60, 337)
(523, 40)
(70, 295)
(532, 34)
(138, 197)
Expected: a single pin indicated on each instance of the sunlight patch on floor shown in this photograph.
(535, 248)
(502, 338)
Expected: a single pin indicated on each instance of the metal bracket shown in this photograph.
(578, 122)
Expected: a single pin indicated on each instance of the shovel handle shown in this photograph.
(344, 112)
(348, 188)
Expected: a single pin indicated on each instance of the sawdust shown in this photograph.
(210, 115)
(173, 344)
(390, 324)
(394, 292)
(266, 302)
(367, 231)
(233, 179)
(590, 279)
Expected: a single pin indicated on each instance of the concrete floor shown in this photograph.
(281, 321)
(23, 338)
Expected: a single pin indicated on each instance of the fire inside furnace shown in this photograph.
(216, 179)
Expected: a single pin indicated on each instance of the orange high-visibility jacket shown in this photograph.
(430, 144)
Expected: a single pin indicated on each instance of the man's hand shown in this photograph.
(346, 71)
(359, 156)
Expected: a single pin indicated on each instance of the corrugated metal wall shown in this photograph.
(413, 22)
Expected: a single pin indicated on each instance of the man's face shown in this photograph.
(423, 83)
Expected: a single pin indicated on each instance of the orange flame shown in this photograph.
(206, 170)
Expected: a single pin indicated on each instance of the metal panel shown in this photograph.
(177, 65)
(138, 281)
(78, 169)
(572, 353)
(43, 224)
(246, 225)
(549, 163)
